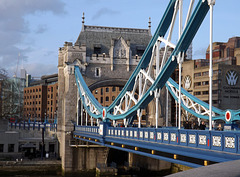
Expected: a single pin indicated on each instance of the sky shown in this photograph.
(31, 31)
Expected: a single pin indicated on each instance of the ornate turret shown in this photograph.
(83, 22)
(149, 26)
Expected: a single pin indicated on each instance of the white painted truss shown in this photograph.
(87, 101)
(189, 103)
(146, 77)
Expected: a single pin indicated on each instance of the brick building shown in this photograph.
(40, 99)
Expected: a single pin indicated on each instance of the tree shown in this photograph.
(11, 92)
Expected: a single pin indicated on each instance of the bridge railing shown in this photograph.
(228, 141)
(87, 129)
(33, 125)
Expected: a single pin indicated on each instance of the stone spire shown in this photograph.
(83, 22)
(149, 26)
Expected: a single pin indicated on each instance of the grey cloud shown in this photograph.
(14, 28)
(40, 69)
(104, 11)
(200, 53)
(41, 29)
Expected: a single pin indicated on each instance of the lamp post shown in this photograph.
(210, 3)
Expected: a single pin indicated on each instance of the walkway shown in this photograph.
(226, 169)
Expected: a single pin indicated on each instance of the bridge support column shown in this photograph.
(66, 151)
(87, 158)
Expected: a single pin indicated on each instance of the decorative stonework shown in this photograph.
(120, 49)
(113, 29)
(131, 133)
(216, 141)
(192, 139)
(146, 135)
(183, 138)
(127, 133)
(141, 134)
(173, 137)
(151, 135)
(122, 132)
(159, 135)
(165, 136)
(135, 134)
(82, 55)
(230, 142)
(202, 139)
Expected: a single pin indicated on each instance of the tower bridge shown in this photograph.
(107, 56)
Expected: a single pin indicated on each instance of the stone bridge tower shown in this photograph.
(106, 56)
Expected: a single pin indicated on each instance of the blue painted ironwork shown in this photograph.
(181, 47)
(219, 114)
(187, 143)
(33, 125)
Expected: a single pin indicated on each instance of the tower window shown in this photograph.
(97, 72)
(97, 49)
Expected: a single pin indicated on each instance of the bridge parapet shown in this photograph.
(34, 125)
(225, 141)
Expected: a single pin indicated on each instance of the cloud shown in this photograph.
(14, 28)
(200, 53)
(46, 69)
(41, 29)
(104, 11)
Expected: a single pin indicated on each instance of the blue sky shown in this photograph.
(37, 28)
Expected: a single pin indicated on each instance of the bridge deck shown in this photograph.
(193, 148)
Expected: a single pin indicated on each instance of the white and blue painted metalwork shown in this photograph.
(154, 71)
(147, 80)
(34, 125)
(214, 146)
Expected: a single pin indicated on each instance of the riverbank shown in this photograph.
(30, 168)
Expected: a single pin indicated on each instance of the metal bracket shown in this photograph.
(211, 2)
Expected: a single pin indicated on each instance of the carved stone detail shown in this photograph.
(192, 139)
(183, 138)
(230, 142)
(173, 137)
(217, 141)
(202, 139)
(165, 136)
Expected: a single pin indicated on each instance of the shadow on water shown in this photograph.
(93, 174)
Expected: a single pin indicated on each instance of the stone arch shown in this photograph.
(109, 82)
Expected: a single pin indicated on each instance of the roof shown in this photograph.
(99, 36)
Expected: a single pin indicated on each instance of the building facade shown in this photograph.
(12, 97)
(106, 57)
(41, 99)
(226, 72)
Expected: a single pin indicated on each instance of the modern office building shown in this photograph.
(12, 97)
(226, 72)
